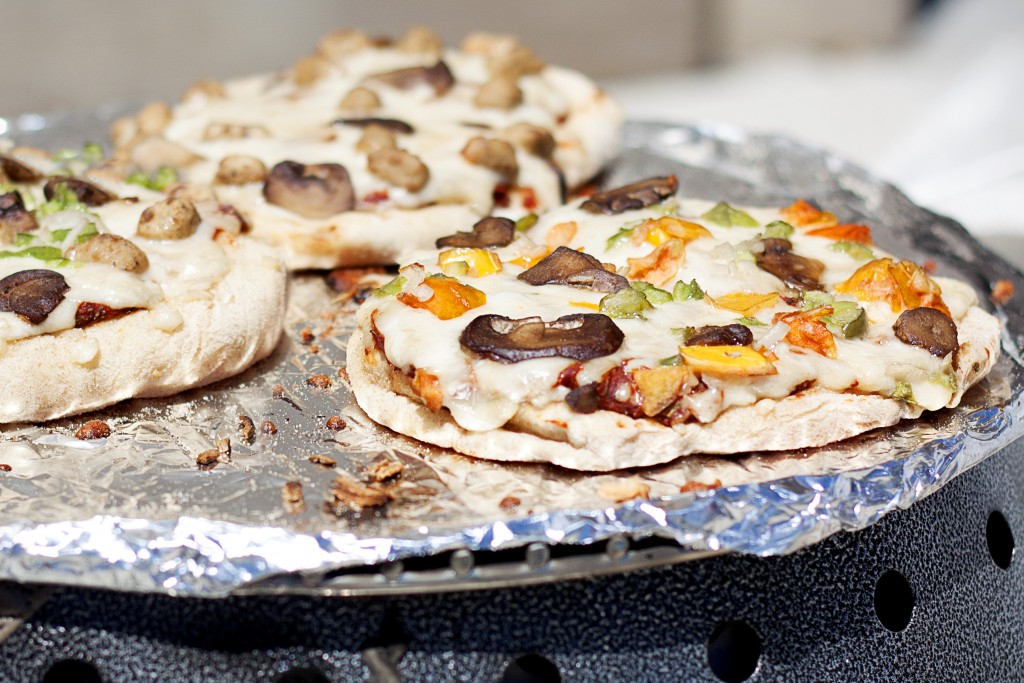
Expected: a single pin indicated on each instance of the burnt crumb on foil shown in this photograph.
(246, 429)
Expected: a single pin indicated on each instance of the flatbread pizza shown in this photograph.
(370, 146)
(634, 327)
(112, 290)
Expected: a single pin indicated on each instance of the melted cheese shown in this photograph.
(483, 394)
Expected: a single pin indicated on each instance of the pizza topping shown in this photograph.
(14, 217)
(376, 138)
(219, 130)
(854, 250)
(746, 303)
(311, 191)
(658, 388)
(32, 294)
(795, 271)
(844, 233)
(633, 196)
(658, 231)
(721, 335)
(804, 214)
(928, 328)
(497, 155)
(779, 229)
(400, 168)
(536, 140)
(499, 93)
(170, 219)
(240, 169)
(12, 170)
(727, 361)
(420, 39)
(86, 192)
(584, 399)
(629, 302)
(807, 330)
(728, 217)
(492, 231)
(661, 265)
(439, 77)
(447, 298)
(110, 249)
(150, 153)
(580, 336)
(359, 99)
(901, 284)
(567, 266)
(390, 125)
(469, 261)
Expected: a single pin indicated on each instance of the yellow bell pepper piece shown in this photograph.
(478, 262)
(746, 303)
(727, 361)
(450, 299)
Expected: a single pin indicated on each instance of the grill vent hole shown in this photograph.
(531, 668)
(72, 671)
(734, 650)
(894, 600)
(999, 537)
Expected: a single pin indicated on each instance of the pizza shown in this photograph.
(370, 146)
(111, 289)
(635, 326)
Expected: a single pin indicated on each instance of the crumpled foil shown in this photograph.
(135, 512)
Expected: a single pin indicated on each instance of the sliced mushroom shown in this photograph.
(359, 99)
(32, 294)
(438, 76)
(633, 196)
(14, 217)
(497, 155)
(536, 140)
(311, 191)
(17, 172)
(376, 138)
(234, 131)
(240, 169)
(112, 250)
(580, 336)
(798, 272)
(399, 168)
(565, 266)
(721, 335)
(393, 125)
(420, 39)
(491, 231)
(498, 93)
(928, 328)
(87, 193)
(170, 219)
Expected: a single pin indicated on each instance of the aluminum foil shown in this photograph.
(135, 512)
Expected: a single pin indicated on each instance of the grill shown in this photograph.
(923, 593)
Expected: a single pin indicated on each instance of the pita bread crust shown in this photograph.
(224, 331)
(605, 441)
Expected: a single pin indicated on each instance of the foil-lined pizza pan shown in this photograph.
(135, 512)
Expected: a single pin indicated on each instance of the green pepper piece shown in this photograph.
(751, 322)
(671, 360)
(88, 232)
(728, 217)
(23, 239)
(903, 392)
(946, 379)
(41, 253)
(163, 177)
(812, 299)
(391, 288)
(654, 295)
(683, 291)
(854, 250)
(625, 303)
(63, 199)
(526, 222)
(620, 237)
(779, 230)
(684, 332)
(850, 318)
